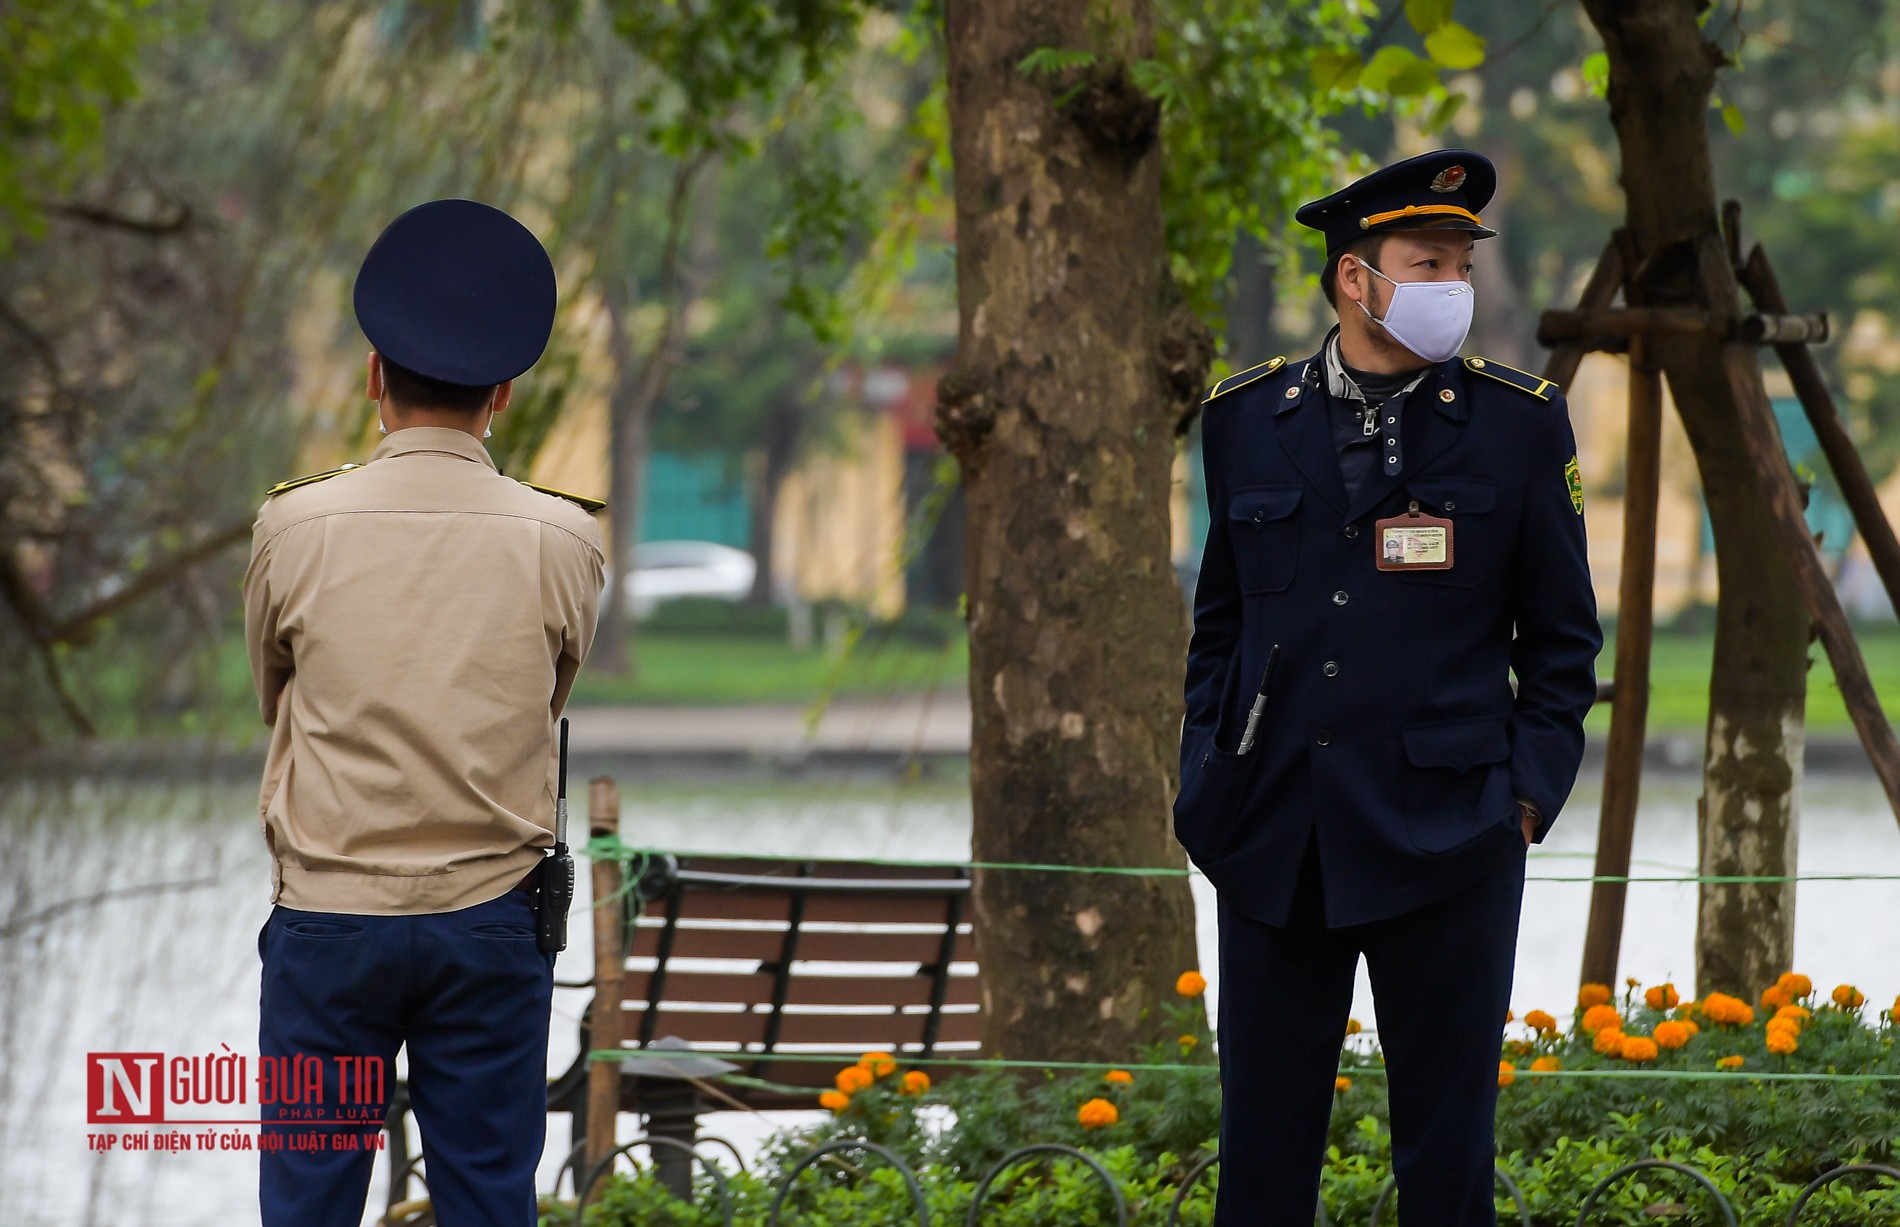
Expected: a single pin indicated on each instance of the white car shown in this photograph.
(664, 570)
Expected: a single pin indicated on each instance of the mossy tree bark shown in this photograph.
(1662, 70)
(1076, 365)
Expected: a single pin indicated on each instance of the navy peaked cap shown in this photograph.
(459, 292)
(1440, 190)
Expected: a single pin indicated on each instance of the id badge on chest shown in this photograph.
(1414, 542)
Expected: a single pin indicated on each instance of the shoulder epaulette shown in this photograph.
(579, 500)
(1523, 381)
(1241, 379)
(308, 479)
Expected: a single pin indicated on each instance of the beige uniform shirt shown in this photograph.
(414, 627)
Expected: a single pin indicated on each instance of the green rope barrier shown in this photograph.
(610, 847)
(1376, 1071)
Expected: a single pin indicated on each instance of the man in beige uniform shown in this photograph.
(415, 624)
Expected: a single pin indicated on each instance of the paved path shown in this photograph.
(911, 724)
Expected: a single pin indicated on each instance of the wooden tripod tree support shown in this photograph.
(605, 1018)
(1594, 325)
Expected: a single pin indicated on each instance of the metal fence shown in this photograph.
(1048, 1152)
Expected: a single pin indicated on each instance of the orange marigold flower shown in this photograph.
(1341, 1085)
(1353, 1026)
(1673, 1034)
(1510, 1016)
(1695, 1028)
(1609, 1042)
(880, 1064)
(837, 1101)
(1538, 1020)
(1593, 994)
(1632, 981)
(1638, 1048)
(1097, 1114)
(1518, 1048)
(1121, 1076)
(852, 1079)
(1798, 1013)
(1848, 997)
(1782, 1041)
(1544, 1065)
(1783, 1026)
(1662, 997)
(1728, 1011)
(1795, 985)
(1597, 1017)
(1190, 984)
(1734, 1062)
(1507, 1073)
(1773, 998)
(916, 1082)
(1188, 1041)
(1895, 1012)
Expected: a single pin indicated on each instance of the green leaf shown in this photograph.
(1051, 61)
(1336, 71)
(1455, 47)
(1387, 65)
(1596, 73)
(1732, 116)
(1427, 16)
(1444, 113)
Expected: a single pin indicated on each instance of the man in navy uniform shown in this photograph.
(415, 625)
(1405, 527)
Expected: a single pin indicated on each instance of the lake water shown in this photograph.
(96, 959)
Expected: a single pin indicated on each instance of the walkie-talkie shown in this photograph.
(556, 881)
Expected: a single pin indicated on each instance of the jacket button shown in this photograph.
(1340, 598)
(1352, 532)
(1330, 668)
(1450, 506)
(1259, 517)
(1324, 738)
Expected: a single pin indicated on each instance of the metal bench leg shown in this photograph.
(673, 1112)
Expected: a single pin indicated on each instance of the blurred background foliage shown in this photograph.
(747, 200)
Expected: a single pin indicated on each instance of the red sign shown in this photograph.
(125, 1088)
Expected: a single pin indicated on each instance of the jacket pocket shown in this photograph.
(1265, 536)
(1457, 745)
(1464, 501)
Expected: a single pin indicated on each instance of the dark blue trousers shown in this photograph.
(468, 993)
(1441, 981)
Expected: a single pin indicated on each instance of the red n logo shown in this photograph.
(125, 1088)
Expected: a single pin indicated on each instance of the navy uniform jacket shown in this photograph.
(1392, 733)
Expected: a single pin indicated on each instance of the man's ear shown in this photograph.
(373, 385)
(503, 391)
(1348, 287)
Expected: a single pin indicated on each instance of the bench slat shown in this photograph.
(827, 947)
(863, 1032)
(748, 987)
(776, 905)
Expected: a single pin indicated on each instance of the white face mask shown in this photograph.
(1430, 318)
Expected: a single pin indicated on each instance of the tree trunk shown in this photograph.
(1075, 361)
(629, 433)
(637, 388)
(1661, 72)
(778, 448)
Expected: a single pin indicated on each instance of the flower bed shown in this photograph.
(1685, 1085)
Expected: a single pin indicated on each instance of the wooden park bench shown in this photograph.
(736, 964)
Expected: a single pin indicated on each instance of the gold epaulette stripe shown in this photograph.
(308, 479)
(1242, 378)
(579, 500)
(1523, 381)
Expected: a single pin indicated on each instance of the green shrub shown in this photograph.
(1760, 1142)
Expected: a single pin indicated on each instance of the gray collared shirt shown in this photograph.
(1361, 431)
